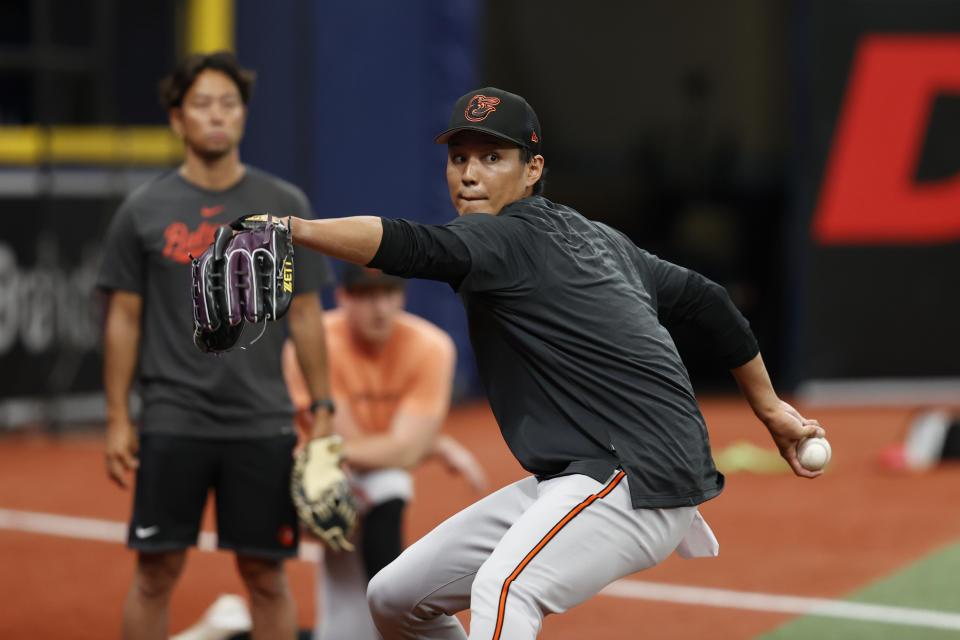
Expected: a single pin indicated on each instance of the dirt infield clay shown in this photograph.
(778, 534)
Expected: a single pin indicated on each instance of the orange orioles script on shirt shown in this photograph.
(181, 241)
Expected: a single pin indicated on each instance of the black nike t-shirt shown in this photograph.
(186, 392)
(567, 320)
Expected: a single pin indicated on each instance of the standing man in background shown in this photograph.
(222, 423)
(391, 376)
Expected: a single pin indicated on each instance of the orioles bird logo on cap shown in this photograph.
(479, 107)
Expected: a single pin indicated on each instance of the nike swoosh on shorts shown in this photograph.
(146, 532)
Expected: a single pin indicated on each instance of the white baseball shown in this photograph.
(813, 453)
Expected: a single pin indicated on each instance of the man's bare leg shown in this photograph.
(271, 603)
(146, 614)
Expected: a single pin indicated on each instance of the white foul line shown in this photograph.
(707, 597)
(106, 530)
(110, 531)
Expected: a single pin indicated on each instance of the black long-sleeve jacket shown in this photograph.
(567, 320)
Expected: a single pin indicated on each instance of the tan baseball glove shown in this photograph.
(322, 494)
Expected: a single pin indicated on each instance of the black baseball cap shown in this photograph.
(497, 112)
(355, 275)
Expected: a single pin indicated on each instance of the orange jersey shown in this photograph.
(412, 374)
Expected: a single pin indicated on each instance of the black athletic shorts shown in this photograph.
(250, 479)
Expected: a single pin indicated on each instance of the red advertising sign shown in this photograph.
(869, 194)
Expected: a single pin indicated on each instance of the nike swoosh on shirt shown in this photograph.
(209, 212)
(146, 532)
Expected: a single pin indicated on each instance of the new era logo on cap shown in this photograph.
(497, 112)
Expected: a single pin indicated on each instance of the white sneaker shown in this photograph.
(924, 442)
(225, 617)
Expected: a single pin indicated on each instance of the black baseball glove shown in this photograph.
(246, 275)
(322, 493)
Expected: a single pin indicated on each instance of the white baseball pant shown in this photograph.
(530, 549)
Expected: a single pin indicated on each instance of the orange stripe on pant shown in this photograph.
(543, 542)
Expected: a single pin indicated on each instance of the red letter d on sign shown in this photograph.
(869, 195)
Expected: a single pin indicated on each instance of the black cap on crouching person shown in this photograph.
(355, 276)
(497, 112)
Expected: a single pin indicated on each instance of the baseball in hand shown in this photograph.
(813, 453)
